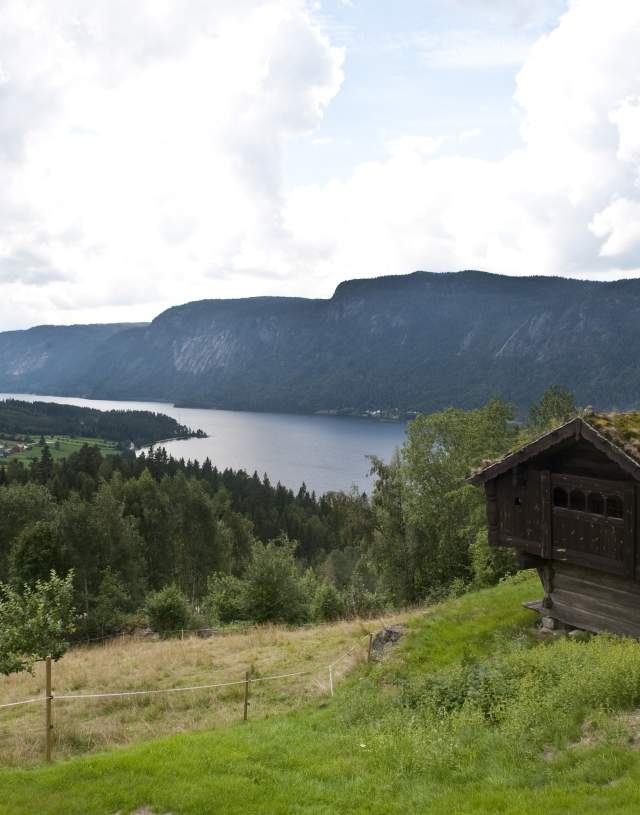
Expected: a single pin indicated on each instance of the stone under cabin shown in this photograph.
(568, 503)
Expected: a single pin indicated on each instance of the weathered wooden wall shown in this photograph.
(594, 601)
(574, 513)
(520, 512)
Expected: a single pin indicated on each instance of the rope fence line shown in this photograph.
(63, 697)
(350, 651)
(106, 694)
(49, 696)
(23, 702)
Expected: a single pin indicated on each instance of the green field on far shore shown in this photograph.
(60, 446)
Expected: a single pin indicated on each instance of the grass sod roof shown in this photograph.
(620, 429)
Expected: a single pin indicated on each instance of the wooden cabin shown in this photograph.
(568, 503)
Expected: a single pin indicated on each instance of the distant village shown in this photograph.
(11, 448)
(382, 414)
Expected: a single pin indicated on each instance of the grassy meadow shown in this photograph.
(83, 726)
(474, 712)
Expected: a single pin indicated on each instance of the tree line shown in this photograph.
(153, 539)
(140, 427)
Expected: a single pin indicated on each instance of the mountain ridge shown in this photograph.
(415, 342)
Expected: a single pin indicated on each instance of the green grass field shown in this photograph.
(474, 713)
(60, 446)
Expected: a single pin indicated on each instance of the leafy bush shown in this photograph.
(328, 603)
(168, 610)
(361, 602)
(275, 588)
(526, 697)
(226, 599)
(490, 565)
(111, 605)
(35, 623)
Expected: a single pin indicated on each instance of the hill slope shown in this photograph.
(49, 358)
(473, 715)
(416, 342)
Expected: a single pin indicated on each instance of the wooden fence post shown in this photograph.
(370, 647)
(246, 697)
(331, 679)
(48, 720)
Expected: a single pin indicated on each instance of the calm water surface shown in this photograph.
(326, 452)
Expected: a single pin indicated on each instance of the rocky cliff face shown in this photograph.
(50, 359)
(416, 342)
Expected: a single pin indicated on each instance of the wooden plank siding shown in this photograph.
(569, 505)
(593, 601)
(490, 490)
(630, 536)
(546, 525)
(520, 511)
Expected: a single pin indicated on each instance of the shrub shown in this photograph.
(489, 565)
(226, 599)
(525, 696)
(168, 610)
(328, 603)
(275, 588)
(35, 623)
(361, 601)
(111, 604)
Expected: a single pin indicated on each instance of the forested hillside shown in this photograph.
(139, 535)
(50, 356)
(137, 427)
(418, 342)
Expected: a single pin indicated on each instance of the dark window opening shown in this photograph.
(614, 506)
(577, 500)
(560, 497)
(517, 501)
(595, 503)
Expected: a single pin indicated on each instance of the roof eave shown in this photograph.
(527, 451)
(610, 449)
(577, 427)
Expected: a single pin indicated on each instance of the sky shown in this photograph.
(161, 151)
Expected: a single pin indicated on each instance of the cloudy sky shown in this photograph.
(158, 151)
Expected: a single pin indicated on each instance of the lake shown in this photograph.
(326, 452)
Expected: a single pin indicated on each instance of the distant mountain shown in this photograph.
(416, 342)
(50, 358)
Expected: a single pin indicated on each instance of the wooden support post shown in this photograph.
(246, 696)
(370, 646)
(48, 720)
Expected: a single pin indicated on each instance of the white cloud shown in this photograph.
(567, 202)
(414, 145)
(471, 133)
(619, 227)
(140, 143)
(141, 155)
